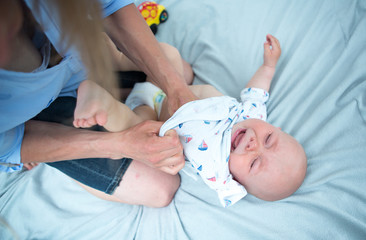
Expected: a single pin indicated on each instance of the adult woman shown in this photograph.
(31, 82)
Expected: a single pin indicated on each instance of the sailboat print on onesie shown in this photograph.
(187, 138)
(203, 146)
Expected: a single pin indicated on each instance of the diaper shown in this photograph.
(146, 93)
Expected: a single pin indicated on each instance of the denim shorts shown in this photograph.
(99, 173)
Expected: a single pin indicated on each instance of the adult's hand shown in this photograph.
(50, 142)
(142, 143)
(178, 97)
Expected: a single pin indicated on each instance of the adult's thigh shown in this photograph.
(142, 185)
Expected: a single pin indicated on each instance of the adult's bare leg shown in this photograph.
(142, 185)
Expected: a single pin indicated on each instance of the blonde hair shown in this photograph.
(81, 26)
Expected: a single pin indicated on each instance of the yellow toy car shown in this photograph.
(153, 13)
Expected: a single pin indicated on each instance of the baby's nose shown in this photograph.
(252, 144)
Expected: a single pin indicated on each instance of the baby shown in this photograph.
(227, 143)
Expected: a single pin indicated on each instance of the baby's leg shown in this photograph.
(146, 96)
(122, 63)
(205, 91)
(201, 91)
(178, 62)
(146, 112)
(95, 105)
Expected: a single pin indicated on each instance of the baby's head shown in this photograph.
(268, 162)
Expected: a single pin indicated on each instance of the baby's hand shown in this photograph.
(272, 51)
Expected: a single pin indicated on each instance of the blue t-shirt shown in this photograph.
(24, 95)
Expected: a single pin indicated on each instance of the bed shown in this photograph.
(318, 95)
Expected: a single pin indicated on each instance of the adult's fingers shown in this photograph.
(173, 154)
(30, 166)
(171, 143)
(171, 133)
(173, 169)
(155, 151)
(169, 159)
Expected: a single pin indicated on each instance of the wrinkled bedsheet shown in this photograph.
(318, 95)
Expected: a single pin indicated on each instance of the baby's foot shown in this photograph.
(92, 105)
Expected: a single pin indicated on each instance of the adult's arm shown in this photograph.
(129, 31)
(50, 142)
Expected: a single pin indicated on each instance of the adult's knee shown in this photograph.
(143, 185)
(166, 192)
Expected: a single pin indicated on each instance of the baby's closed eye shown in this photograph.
(267, 141)
(255, 164)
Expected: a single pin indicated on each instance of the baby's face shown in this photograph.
(268, 162)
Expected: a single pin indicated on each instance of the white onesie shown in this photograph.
(204, 127)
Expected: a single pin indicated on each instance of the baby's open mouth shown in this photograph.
(237, 137)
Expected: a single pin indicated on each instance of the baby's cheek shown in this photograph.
(237, 170)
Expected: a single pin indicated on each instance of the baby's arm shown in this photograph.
(263, 77)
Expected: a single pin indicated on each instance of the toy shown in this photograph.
(153, 13)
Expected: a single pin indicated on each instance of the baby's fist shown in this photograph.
(272, 51)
